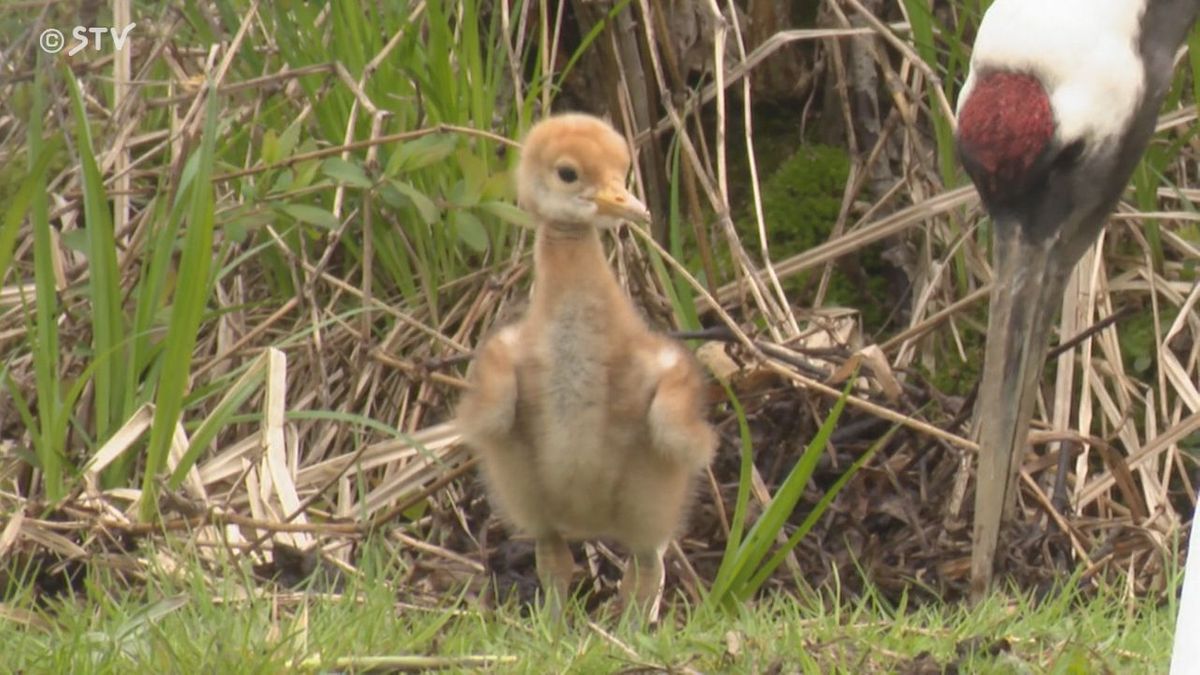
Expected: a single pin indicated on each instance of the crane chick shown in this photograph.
(588, 425)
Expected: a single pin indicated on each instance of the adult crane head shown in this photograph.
(1061, 100)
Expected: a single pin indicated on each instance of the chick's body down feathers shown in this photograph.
(587, 424)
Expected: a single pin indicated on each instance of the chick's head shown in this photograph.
(572, 174)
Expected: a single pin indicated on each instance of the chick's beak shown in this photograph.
(616, 201)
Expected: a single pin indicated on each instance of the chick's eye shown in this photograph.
(568, 174)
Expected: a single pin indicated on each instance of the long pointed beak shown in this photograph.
(616, 201)
(1026, 293)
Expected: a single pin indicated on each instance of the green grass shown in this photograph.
(197, 621)
(279, 194)
(745, 567)
(431, 209)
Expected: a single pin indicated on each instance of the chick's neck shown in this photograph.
(569, 262)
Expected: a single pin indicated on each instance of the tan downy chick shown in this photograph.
(588, 425)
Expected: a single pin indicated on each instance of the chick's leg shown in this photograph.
(641, 587)
(554, 566)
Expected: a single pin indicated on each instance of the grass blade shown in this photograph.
(190, 299)
(104, 279)
(818, 510)
(50, 436)
(751, 553)
(10, 224)
(730, 561)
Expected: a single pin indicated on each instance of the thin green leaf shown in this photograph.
(424, 205)
(751, 552)
(470, 230)
(190, 301)
(246, 386)
(420, 153)
(818, 510)
(50, 433)
(729, 561)
(270, 147)
(104, 277)
(346, 172)
(509, 213)
(313, 215)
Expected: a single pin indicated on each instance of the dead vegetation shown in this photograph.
(1106, 485)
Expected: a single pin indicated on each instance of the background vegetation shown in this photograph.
(243, 261)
